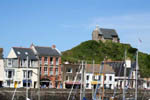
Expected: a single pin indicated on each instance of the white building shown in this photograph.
(1, 72)
(106, 78)
(17, 64)
(119, 68)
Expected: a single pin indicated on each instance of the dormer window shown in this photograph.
(18, 53)
(26, 53)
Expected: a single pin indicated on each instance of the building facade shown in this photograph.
(21, 68)
(1, 72)
(94, 77)
(71, 75)
(50, 66)
(119, 69)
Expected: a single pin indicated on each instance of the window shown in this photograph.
(25, 73)
(105, 78)
(25, 84)
(9, 61)
(57, 61)
(87, 85)
(79, 78)
(105, 86)
(77, 70)
(40, 60)
(69, 70)
(110, 78)
(40, 70)
(46, 60)
(51, 60)
(110, 86)
(148, 84)
(87, 77)
(56, 70)
(18, 52)
(10, 74)
(99, 77)
(26, 53)
(67, 78)
(73, 78)
(51, 71)
(8, 83)
(45, 70)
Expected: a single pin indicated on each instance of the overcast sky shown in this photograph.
(67, 23)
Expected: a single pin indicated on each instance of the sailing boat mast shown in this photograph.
(82, 82)
(136, 76)
(125, 69)
(27, 80)
(93, 80)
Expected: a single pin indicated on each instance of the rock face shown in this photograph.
(1, 53)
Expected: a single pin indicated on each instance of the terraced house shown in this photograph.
(21, 68)
(28, 67)
(50, 66)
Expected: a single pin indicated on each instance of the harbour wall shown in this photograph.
(62, 94)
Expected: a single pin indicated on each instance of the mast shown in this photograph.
(93, 80)
(136, 76)
(27, 80)
(124, 97)
(81, 88)
(39, 79)
(103, 80)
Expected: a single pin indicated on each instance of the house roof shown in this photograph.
(118, 67)
(46, 51)
(22, 53)
(108, 33)
(106, 69)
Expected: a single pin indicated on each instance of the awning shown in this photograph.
(25, 81)
(45, 81)
(77, 83)
(95, 82)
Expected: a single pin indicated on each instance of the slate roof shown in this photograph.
(108, 33)
(46, 51)
(118, 67)
(107, 69)
(22, 53)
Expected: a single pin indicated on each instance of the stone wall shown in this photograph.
(61, 94)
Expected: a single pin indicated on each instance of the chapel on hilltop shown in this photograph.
(105, 34)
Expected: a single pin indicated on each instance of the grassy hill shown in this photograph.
(91, 49)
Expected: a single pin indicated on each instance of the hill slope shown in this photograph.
(91, 49)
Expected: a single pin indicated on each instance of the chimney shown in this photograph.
(31, 45)
(97, 27)
(53, 46)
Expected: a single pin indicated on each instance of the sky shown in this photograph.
(67, 23)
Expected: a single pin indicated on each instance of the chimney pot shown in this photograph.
(53, 46)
